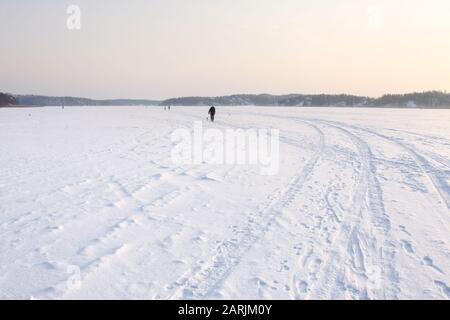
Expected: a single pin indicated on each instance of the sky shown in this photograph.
(157, 49)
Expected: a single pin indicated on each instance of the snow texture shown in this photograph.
(92, 207)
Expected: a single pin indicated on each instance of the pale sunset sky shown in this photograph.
(156, 49)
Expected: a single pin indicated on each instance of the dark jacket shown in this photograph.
(212, 111)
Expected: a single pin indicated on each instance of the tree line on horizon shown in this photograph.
(429, 99)
(7, 99)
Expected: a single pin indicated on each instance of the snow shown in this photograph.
(92, 206)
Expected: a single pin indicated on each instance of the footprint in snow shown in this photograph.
(407, 245)
(445, 289)
(302, 286)
(403, 229)
(428, 261)
(284, 266)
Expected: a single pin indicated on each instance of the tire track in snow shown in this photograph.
(201, 284)
(365, 251)
(440, 185)
(432, 174)
(368, 250)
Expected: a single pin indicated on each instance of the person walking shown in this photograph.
(212, 113)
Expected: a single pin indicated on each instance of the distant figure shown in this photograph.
(169, 108)
(212, 113)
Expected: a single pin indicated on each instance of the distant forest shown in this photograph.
(33, 100)
(7, 99)
(431, 99)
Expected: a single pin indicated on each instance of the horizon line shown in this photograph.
(227, 95)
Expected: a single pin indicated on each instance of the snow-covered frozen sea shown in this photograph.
(92, 206)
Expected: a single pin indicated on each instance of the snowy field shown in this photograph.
(92, 207)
